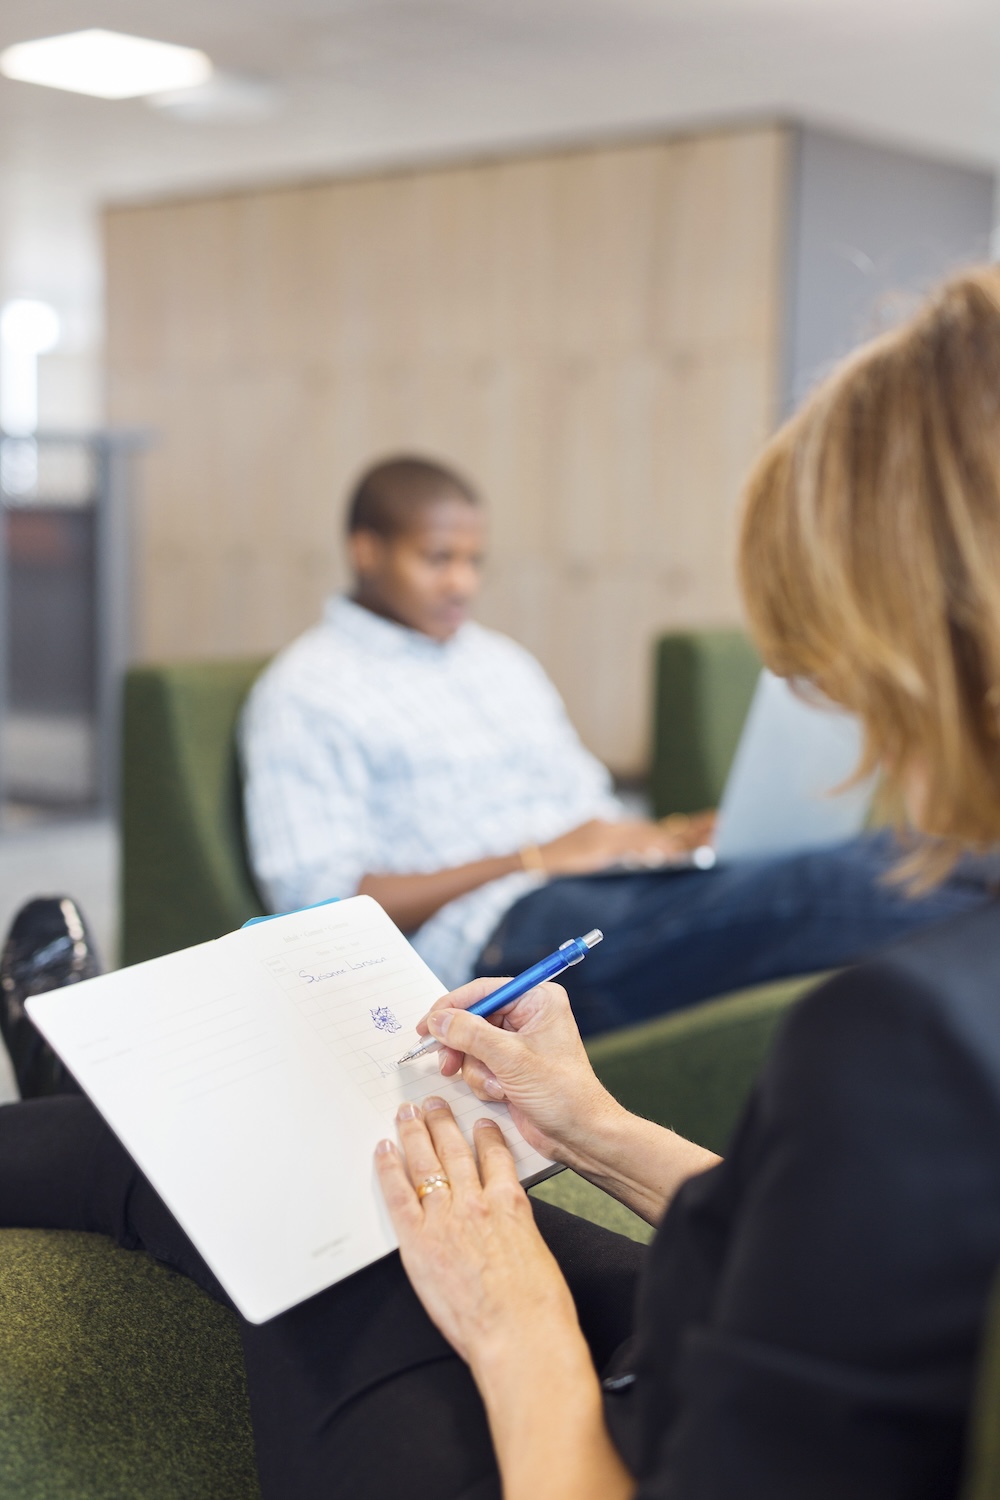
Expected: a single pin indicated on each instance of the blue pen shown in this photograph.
(565, 956)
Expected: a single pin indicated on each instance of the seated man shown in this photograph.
(400, 750)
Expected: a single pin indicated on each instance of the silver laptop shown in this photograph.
(780, 796)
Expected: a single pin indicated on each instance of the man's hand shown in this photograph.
(531, 1055)
(690, 830)
(597, 844)
(411, 900)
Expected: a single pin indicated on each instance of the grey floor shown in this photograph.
(77, 858)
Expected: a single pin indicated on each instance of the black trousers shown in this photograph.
(353, 1393)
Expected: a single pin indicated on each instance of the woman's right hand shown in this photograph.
(531, 1055)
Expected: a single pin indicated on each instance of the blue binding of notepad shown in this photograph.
(253, 921)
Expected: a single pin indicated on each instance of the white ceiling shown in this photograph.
(375, 81)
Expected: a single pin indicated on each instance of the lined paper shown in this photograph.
(250, 1078)
(358, 988)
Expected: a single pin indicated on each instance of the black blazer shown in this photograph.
(811, 1313)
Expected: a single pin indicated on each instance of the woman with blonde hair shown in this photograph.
(808, 1317)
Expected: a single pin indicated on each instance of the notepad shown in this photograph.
(251, 1077)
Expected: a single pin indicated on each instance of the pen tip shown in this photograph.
(417, 1051)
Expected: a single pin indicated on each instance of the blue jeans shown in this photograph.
(673, 938)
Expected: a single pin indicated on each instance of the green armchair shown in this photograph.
(185, 877)
(702, 686)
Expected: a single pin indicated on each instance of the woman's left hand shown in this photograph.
(492, 1286)
(471, 1248)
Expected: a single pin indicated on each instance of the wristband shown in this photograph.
(532, 860)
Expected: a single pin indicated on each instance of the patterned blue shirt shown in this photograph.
(369, 748)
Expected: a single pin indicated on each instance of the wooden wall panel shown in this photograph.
(592, 335)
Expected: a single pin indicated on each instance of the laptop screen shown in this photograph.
(791, 755)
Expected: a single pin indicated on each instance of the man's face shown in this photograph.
(427, 577)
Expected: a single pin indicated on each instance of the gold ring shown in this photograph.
(431, 1184)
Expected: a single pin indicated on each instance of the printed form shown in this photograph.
(251, 1077)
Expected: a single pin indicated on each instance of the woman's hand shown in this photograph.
(471, 1249)
(491, 1285)
(530, 1054)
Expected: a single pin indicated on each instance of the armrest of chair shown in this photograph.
(117, 1377)
(692, 1071)
(185, 878)
(981, 1479)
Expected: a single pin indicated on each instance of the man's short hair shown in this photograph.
(389, 497)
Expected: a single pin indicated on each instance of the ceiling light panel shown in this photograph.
(107, 64)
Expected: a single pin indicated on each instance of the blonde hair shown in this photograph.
(870, 559)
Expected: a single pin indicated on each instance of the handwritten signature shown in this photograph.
(365, 963)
